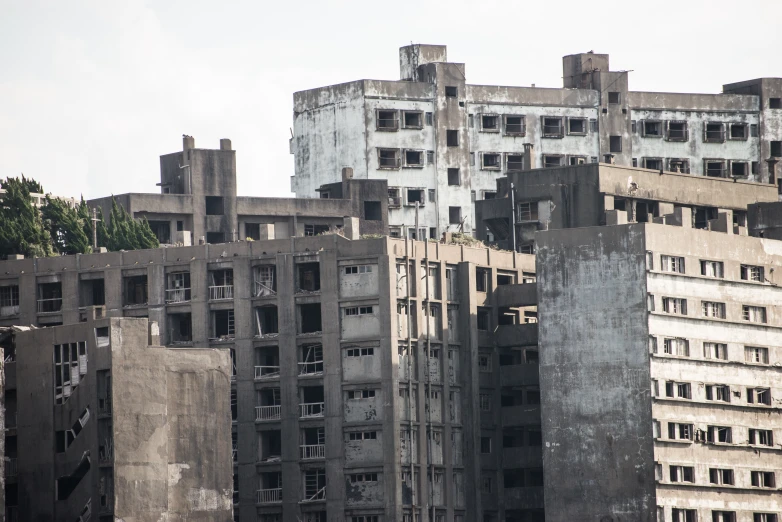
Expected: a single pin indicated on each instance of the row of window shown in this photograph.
(759, 396)
(717, 476)
(712, 167)
(679, 130)
(708, 268)
(686, 432)
(711, 350)
(691, 515)
(678, 306)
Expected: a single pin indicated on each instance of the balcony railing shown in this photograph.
(311, 409)
(49, 305)
(315, 496)
(221, 292)
(10, 467)
(313, 451)
(266, 413)
(177, 295)
(310, 368)
(269, 496)
(264, 289)
(266, 372)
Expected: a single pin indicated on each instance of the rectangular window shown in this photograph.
(355, 395)
(721, 476)
(682, 474)
(719, 435)
(453, 177)
(514, 162)
(713, 309)
(615, 144)
(576, 126)
(677, 131)
(452, 138)
(759, 396)
(552, 160)
(415, 196)
(413, 119)
(414, 158)
(455, 215)
(429, 118)
(672, 264)
(776, 149)
(360, 352)
(394, 199)
(363, 477)
(430, 157)
(718, 392)
(484, 362)
(714, 132)
(739, 169)
(714, 168)
(451, 91)
(432, 195)
(675, 305)
(552, 127)
(739, 131)
(481, 279)
(680, 165)
(759, 437)
(715, 351)
(752, 273)
(485, 401)
(683, 515)
(764, 517)
(9, 297)
(756, 354)
(527, 211)
(712, 269)
(652, 129)
(388, 158)
(676, 346)
(763, 479)
(775, 103)
(515, 125)
(723, 516)
(387, 120)
(485, 445)
(614, 98)
(577, 160)
(483, 320)
(678, 390)
(490, 161)
(214, 206)
(652, 163)
(680, 431)
(490, 123)
(754, 314)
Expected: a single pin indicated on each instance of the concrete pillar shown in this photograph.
(616, 217)
(266, 231)
(351, 228)
(681, 217)
(529, 156)
(188, 142)
(225, 144)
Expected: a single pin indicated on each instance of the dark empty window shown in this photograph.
(413, 119)
(414, 158)
(514, 125)
(653, 163)
(452, 138)
(739, 131)
(429, 118)
(309, 277)
(491, 161)
(652, 128)
(388, 158)
(214, 206)
(552, 128)
(162, 230)
(677, 131)
(715, 168)
(215, 237)
(372, 211)
(483, 319)
(552, 160)
(739, 169)
(253, 231)
(616, 144)
(451, 92)
(576, 125)
(415, 196)
(775, 103)
(453, 177)
(310, 319)
(614, 98)
(180, 226)
(455, 215)
(776, 149)
(514, 162)
(490, 122)
(387, 120)
(714, 133)
(136, 290)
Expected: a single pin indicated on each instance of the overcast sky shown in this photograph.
(93, 92)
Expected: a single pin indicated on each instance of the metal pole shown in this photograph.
(94, 229)
(513, 216)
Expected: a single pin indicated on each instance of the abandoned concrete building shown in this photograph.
(108, 425)
(198, 203)
(660, 363)
(376, 379)
(441, 142)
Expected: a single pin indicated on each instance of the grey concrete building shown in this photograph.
(660, 352)
(601, 194)
(442, 142)
(198, 203)
(112, 426)
(375, 380)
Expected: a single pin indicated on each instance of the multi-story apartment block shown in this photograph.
(441, 143)
(376, 379)
(108, 425)
(198, 203)
(660, 352)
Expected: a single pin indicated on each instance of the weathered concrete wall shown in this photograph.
(594, 375)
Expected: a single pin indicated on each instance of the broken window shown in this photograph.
(162, 230)
(615, 144)
(681, 165)
(253, 230)
(269, 446)
(70, 366)
(718, 392)
(652, 128)
(387, 120)
(739, 169)
(394, 199)
(576, 126)
(270, 487)
(413, 119)
(490, 161)
(652, 163)
(222, 325)
(265, 278)
(452, 138)
(552, 127)
(680, 431)
(577, 160)
(714, 132)
(677, 131)
(312, 402)
(373, 211)
(759, 396)
(455, 215)
(721, 476)
(267, 362)
(313, 443)
(490, 123)
(388, 158)
(752, 273)
(453, 177)
(309, 318)
(552, 160)
(515, 125)
(715, 168)
(678, 390)
(483, 319)
(414, 158)
(221, 284)
(266, 321)
(514, 162)
(527, 211)
(178, 287)
(214, 206)
(135, 290)
(180, 328)
(754, 314)
(311, 359)
(451, 91)
(9, 300)
(682, 474)
(308, 279)
(415, 196)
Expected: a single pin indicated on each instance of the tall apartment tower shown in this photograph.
(442, 143)
(109, 425)
(660, 352)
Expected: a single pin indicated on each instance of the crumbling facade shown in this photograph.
(377, 379)
(111, 425)
(660, 368)
(198, 203)
(442, 143)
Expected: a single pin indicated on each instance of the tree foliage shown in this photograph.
(123, 232)
(21, 228)
(70, 230)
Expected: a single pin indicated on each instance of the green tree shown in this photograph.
(125, 233)
(22, 230)
(67, 226)
(30, 184)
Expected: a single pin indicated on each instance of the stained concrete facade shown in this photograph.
(198, 203)
(399, 131)
(111, 425)
(602, 194)
(344, 404)
(660, 356)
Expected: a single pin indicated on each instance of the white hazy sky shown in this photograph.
(93, 92)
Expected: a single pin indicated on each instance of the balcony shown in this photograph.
(10, 467)
(525, 334)
(266, 372)
(269, 496)
(48, 306)
(217, 293)
(311, 410)
(267, 413)
(311, 368)
(313, 451)
(264, 289)
(315, 495)
(524, 294)
(178, 295)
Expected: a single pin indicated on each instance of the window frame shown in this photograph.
(585, 126)
(522, 125)
(685, 131)
(495, 167)
(645, 132)
(497, 122)
(378, 119)
(549, 134)
(403, 121)
(397, 158)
